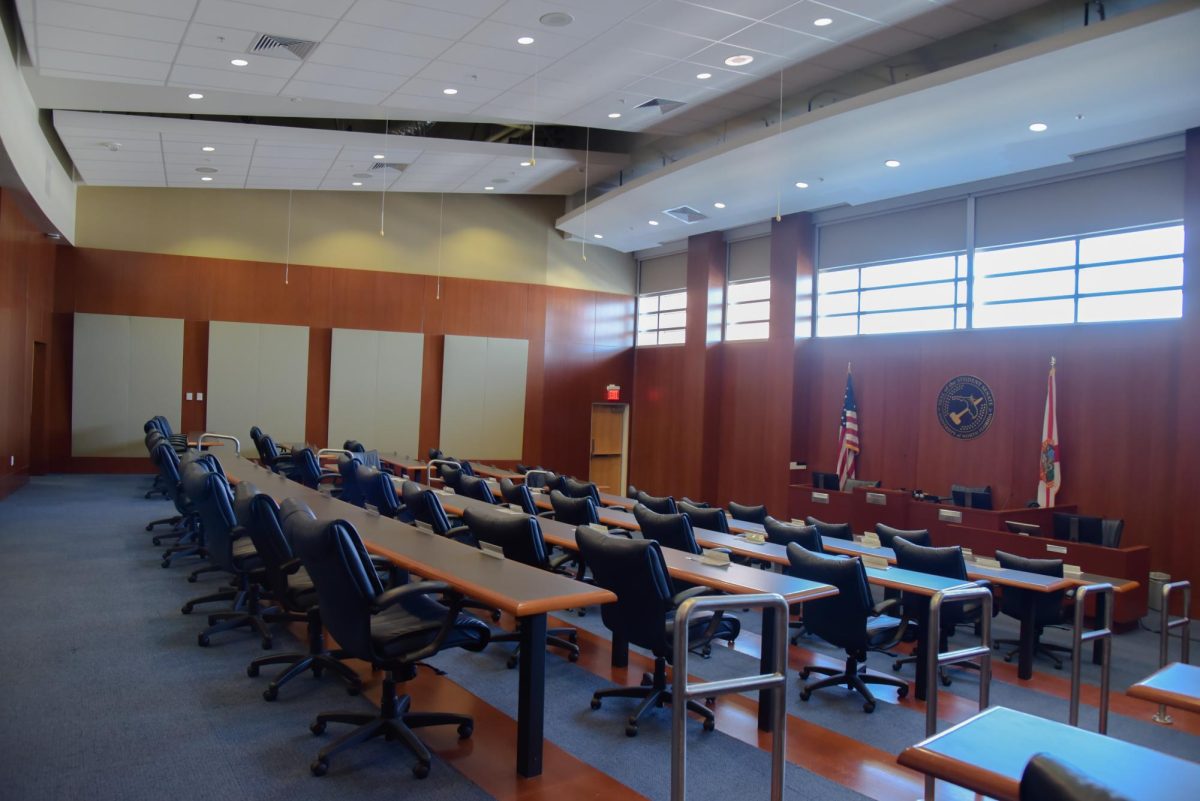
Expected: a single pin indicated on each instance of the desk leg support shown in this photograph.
(1028, 637)
(922, 657)
(766, 698)
(1098, 644)
(531, 698)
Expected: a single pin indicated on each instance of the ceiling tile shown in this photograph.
(845, 26)
(634, 36)
(423, 87)
(671, 90)
(691, 19)
(81, 75)
(355, 35)
(103, 20)
(104, 44)
(714, 56)
(338, 93)
(102, 67)
(892, 41)
(218, 60)
(548, 43)
(448, 74)
(341, 76)
(319, 8)
(493, 58)
(217, 37)
(428, 105)
(778, 41)
(175, 9)
(686, 72)
(263, 20)
(202, 78)
(336, 55)
(411, 19)
(941, 22)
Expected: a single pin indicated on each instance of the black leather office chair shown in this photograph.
(518, 495)
(581, 489)
(947, 562)
(520, 536)
(643, 615)
(434, 453)
(166, 464)
(749, 514)
(392, 630)
(161, 424)
(1048, 607)
(274, 459)
(422, 506)
(1110, 532)
(475, 487)
(351, 492)
(780, 533)
(887, 535)
(1046, 778)
(849, 620)
(631, 492)
(229, 550)
(694, 504)
(354, 446)
(669, 530)
(573, 511)
(840, 531)
(465, 466)
(307, 470)
(293, 591)
(709, 518)
(451, 476)
(663, 505)
(377, 490)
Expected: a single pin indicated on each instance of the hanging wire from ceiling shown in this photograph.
(383, 191)
(287, 254)
(587, 152)
(779, 133)
(441, 218)
(536, 109)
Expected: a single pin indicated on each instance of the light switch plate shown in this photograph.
(199, 396)
(189, 396)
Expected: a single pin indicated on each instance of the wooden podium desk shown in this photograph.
(937, 516)
(521, 590)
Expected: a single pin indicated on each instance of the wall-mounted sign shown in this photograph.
(612, 392)
(965, 407)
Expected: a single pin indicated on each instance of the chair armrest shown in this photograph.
(558, 560)
(291, 567)
(461, 534)
(396, 594)
(548, 514)
(617, 531)
(237, 532)
(693, 592)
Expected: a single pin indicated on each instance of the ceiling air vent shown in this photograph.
(394, 166)
(663, 105)
(685, 214)
(283, 46)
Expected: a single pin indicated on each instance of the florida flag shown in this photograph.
(847, 435)
(1049, 468)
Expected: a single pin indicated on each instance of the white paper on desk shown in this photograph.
(877, 562)
(871, 540)
(754, 538)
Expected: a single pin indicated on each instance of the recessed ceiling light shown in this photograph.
(195, 96)
(597, 236)
(379, 157)
(208, 148)
(891, 163)
(739, 61)
(614, 115)
(653, 222)
(449, 91)
(556, 19)
(1038, 127)
(526, 163)
(718, 205)
(206, 169)
(821, 22)
(525, 40)
(205, 177)
(704, 76)
(239, 62)
(489, 189)
(801, 185)
(356, 183)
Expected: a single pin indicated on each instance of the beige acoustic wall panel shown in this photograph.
(257, 375)
(375, 389)
(125, 370)
(483, 397)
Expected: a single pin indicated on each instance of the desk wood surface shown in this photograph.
(510, 586)
(1176, 685)
(987, 754)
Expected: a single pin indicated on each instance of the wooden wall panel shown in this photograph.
(316, 416)
(195, 374)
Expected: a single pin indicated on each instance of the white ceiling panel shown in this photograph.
(241, 81)
(176, 9)
(212, 59)
(844, 28)
(320, 8)
(474, 55)
(264, 20)
(691, 19)
(590, 17)
(102, 67)
(104, 44)
(767, 38)
(217, 37)
(447, 74)
(420, 20)
(103, 20)
(341, 76)
(501, 35)
(751, 9)
(648, 39)
(341, 94)
(337, 55)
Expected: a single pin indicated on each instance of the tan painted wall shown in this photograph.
(497, 238)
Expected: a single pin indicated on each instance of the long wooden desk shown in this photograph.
(1176, 685)
(733, 578)
(523, 591)
(987, 754)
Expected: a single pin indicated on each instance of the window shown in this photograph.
(748, 309)
(1124, 275)
(927, 294)
(661, 318)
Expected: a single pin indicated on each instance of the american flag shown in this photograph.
(848, 435)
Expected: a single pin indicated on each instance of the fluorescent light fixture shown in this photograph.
(208, 148)
(356, 183)
(614, 115)
(195, 96)
(449, 91)
(239, 62)
(739, 61)
(205, 177)
(1038, 127)
(653, 222)
(891, 163)
(801, 185)
(379, 157)
(821, 22)
(703, 76)
(525, 40)
(489, 189)
(718, 205)
(597, 236)
(526, 163)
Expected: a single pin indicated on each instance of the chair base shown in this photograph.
(853, 679)
(394, 722)
(300, 663)
(654, 694)
(1045, 649)
(565, 638)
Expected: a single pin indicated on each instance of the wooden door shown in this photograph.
(610, 437)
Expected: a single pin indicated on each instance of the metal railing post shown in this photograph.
(535, 472)
(432, 462)
(1164, 634)
(775, 681)
(1078, 638)
(237, 443)
(935, 660)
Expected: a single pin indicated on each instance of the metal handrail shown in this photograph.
(1079, 637)
(961, 594)
(776, 682)
(237, 443)
(1164, 634)
(537, 471)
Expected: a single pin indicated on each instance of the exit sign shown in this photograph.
(612, 392)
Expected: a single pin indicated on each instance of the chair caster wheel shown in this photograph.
(495, 619)
(191, 579)
(804, 674)
(150, 526)
(271, 693)
(421, 770)
(573, 656)
(869, 707)
(166, 563)
(267, 644)
(1058, 667)
(595, 703)
(710, 724)
(1008, 658)
(252, 671)
(805, 695)
(187, 609)
(902, 692)
(631, 730)
(202, 640)
(511, 663)
(157, 542)
(317, 727)
(573, 637)
(465, 730)
(945, 681)
(896, 667)
(319, 768)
